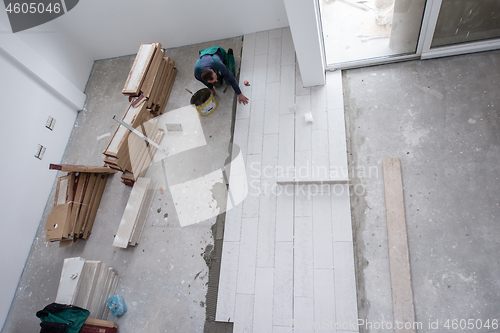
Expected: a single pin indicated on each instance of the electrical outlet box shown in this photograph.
(39, 152)
(51, 122)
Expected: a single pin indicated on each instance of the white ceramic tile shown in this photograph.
(287, 89)
(287, 49)
(256, 127)
(272, 108)
(335, 99)
(243, 317)
(243, 110)
(283, 284)
(241, 128)
(227, 282)
(341, 213)
(303, 258)
(320, 155)
(300, 90)
(286, 150)
(324, 301)
(303, 315)
(253, 170)
(232, 225)
(274, 60)
(248, 53)
(284, 214)
(322, 231)
(337, 139)
(346, 308)
(319, 107)
(303, 129)
(248, 256)
(275, 33)
(263, 302)
(261, 42)
(267, 231)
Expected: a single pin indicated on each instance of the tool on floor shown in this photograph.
(246, 83)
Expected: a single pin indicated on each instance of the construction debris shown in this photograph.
(78, 195)
(87, 284)
(136, 212)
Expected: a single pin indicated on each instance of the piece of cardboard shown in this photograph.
(56, 222)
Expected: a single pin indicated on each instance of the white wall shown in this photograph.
(114, 28)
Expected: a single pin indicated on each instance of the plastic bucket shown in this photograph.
(204, 101)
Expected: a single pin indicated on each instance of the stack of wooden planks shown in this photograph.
(92, 325)
(128, 152)
(135, 214)
(78, 195)
(87, 284)
(151, 78)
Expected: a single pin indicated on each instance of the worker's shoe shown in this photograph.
(230, 51)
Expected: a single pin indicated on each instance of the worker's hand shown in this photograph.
(242, 99)
(213, 91)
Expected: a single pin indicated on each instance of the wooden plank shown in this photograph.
(287, 48)
(248, 53)
(248, 256)
(399, 262)
(94, 206)
(272, 107)
(86, 202)
(153, 72)
(131, 213)
(139, 68)
(226, 297)
(256, 127)
(274, 60)
(80, 168)
(346, 308)
(322, 231)
(303, 314)
(263, 302)
(303, 267)
(324, 300)
(77, 202)
(283, 284)
(287, 89)
(243, 316)
(259, 78)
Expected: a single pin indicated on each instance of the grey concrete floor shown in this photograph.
(164, 278)
(441, 118)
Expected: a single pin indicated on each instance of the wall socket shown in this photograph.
(51, 122)
(39, 152)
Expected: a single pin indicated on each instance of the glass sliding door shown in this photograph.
(375, 31)
(463, 21)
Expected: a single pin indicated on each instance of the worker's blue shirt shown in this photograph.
(208, 63)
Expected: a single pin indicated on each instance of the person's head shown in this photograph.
(209, 76)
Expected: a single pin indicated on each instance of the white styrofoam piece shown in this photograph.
(243, 316)
(247, 256)
(70, 278)
(320, 155)
(303, 129)
(241, 134)
(243, 110)
(287, 49)
(341, 213)
(263, 302)
(303, 200)
(324, 300)
(335, 99)
(251, 202)
(261, 43)
(287, 88)
(322, 231)
(283, 284)
(256, 127)
(272, 114)
(303, 315)
(286, 144)
(259, 78)
(248, 53)
(284, 214)
(346, 307)
(226, 296)
(303, 258)
(337, 139)
(274, 60)
(275, 33)
(267, 231)
(319, 107)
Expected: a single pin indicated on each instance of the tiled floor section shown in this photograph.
(287, 261)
